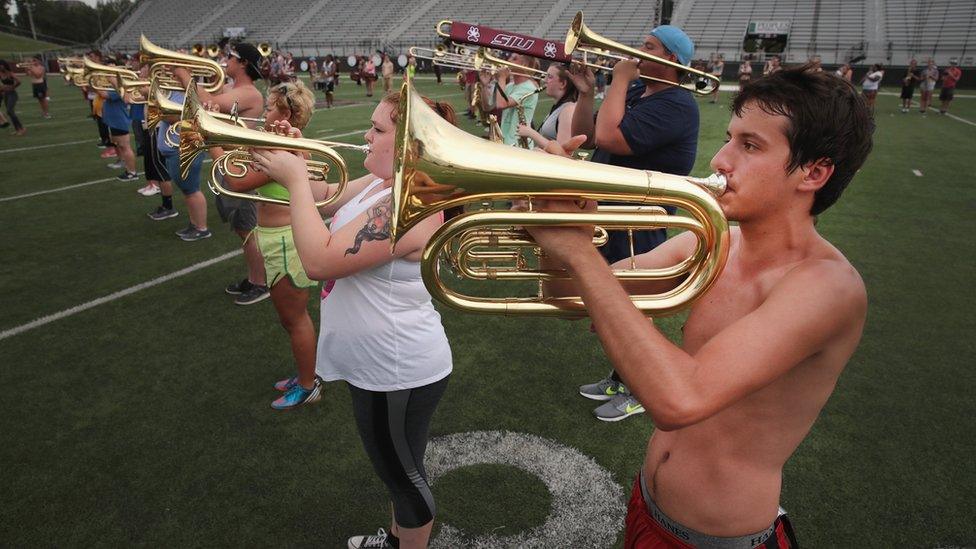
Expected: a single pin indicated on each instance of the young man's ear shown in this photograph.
(816, 174)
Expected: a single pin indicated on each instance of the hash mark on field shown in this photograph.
(918, 173)
(117, 295)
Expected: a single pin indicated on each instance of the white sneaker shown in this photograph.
(372, 542)
(149, 190)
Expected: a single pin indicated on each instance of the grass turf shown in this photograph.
(11, 43)
(145, 420)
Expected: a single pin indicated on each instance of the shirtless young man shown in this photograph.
(243, 64)
(38, 76)
(764, 347)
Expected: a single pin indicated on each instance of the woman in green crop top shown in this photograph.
(293, 103)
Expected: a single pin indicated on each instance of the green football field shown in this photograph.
(134, 395)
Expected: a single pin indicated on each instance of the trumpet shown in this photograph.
(580, 38)
(25, 65)
(442, 57)
(483, 60)
(200, 130)
(162, 61)
(438, 166)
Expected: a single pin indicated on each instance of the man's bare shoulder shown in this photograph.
(826, 278)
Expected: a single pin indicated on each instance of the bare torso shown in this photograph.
(722, 475)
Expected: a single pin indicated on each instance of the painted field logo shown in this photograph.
(587, 505)
(517, 42)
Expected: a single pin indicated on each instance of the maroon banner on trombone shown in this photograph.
(467, 33)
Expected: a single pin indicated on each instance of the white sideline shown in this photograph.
(34, 148)
(112, 297)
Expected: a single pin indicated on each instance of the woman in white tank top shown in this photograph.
(379, 330)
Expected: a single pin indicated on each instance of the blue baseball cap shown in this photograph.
(676, 41)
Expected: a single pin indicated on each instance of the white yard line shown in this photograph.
(114, 296)
(55, 190)
(36, 147)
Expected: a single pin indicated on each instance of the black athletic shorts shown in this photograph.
(116, 132)
(946, 94)
(907, 92)
(39, 91)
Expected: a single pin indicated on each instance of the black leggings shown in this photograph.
(10, 98)
(394, 427)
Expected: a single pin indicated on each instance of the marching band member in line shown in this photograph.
(294, 103)
(38, 76)
(115, 115)
(516, 87)
(379, 330)
(243, 65)
(559, 124)
(764, 347)
(642, 125)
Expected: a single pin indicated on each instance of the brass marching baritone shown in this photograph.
(580, 38)
(201, 130)
(265, 49)
(438, 166)
(162, 61)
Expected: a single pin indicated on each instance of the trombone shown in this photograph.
(483, 60)
(438, 166)
(162, 61)
(200, 130)
(582, 39)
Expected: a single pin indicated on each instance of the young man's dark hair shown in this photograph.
(828, 120)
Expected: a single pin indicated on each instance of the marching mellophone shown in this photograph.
(438, 166)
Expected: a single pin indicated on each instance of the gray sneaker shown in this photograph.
(196, 234)
(622, 406)
(605, 389)
(253, 295)
(161, 213)
(369, 542)
(189, 229)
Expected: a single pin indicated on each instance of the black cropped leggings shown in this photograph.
(394, 428)
(10, 98)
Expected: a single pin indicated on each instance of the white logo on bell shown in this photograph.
(474, 34)
(550, 50)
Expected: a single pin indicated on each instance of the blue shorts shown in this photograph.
(189, 185)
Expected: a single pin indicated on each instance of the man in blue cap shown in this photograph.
(642, 124)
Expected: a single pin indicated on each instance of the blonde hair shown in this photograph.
(297, 99)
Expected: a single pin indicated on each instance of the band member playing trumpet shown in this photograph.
(646, 125)
(379, 330)
(764, 347)
(294, 103)
(243, 64)
(38, 76)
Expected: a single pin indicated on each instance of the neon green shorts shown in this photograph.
(277, 246)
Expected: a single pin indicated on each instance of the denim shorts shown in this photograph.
(189, 185)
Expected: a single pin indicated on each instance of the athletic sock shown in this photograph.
(168, 202)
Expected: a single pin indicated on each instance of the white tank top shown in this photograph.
(379, 330)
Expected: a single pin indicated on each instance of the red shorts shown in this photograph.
(643, 532)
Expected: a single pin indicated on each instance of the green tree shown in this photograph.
(5, 18)
(70, 21)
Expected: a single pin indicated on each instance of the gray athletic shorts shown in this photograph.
(241, 214)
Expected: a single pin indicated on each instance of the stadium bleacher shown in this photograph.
(890, 32)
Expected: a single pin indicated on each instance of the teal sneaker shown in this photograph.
(298, 396)
(605, 389)
(621, 407)
(285, 384)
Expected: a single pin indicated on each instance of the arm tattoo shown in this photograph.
(377, 225)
